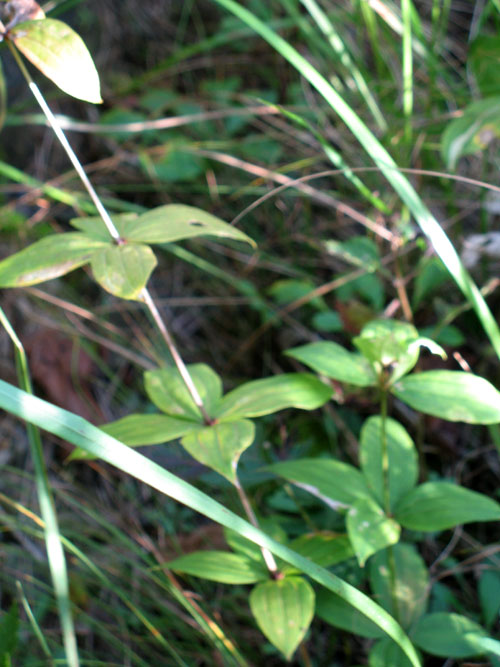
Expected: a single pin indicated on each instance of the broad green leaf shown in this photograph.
(327, 479)
(472, 131)
(264, 397)
(402, 455)
(448, 635)
(324, 548)
(334, 361)
(369, 529)
(123, 270)
(484, 60)
(220, 446)
(452, 395)
(283, 610)
(441, 505)
(409, 590)
(175, 222)
(388, 343)
(334, 610)
(220, 566)
(94, 226)
(386, 652)
(9, 629)
(59, 53)
(139, 430)
(81, 433)
(53, 256)
(167, 390)
(489, 595)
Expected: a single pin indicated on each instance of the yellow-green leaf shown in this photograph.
(59, 53)
(123, 270)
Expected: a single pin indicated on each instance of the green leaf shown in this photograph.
(334, 610)
(388, 343)
(452, 395)
(283, 610)
(140, 430)
(369, 529)
(386, 652)
(53, 256)
(81, 433)
(409, 590)
(472, 131)
(489, 595)
(334, 361)
(448, 635)
(59, 53)
(403, 459)
(175, 222)
(220, 446)
(327, 479)
(123, 270)
(9, 634)
(94, 226)
(167, 390)
(441, 505)
(264, 397)
(249, 549)
(324, 548)
(484, 60)
(221, 566)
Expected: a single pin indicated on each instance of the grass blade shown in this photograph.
(427, 222)
(81, 433)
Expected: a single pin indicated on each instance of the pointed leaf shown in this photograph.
(249, 549)
(167, 390)
(334, 610)
(441, 505)
(123, 270)
(489, 595)
(139, 430)
(335, 362)
(327, 479)
(403, 459)
(264, 397)
(220, 446)
(369, 529)
(220, 566)
(452, 395)
(53, 256)
(59, 53)
(283, 610)
(324, 548)
(94, 226)
(448, 635)
(175, 222)
(409, 590)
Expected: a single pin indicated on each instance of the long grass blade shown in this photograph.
(55, 551)
(427, 222)
(81, 433)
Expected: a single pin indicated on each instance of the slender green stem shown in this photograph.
(407, 69)
(266, 554)
(53, 543)
(146, 297)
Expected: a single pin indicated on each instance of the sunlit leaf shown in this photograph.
(123, 270)
(369, 529)
(264, 397)
(59, 53)
(283, 610)
(175, 222)
(220, 446)
(453, 395)
(402, 455)
(442, 505)
(334, 361)
(166, 388)
(94, 226)
(48, 258)
(324, 548)
(220, 566)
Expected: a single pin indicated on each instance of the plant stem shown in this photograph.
(146, 297)
(266, 554)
